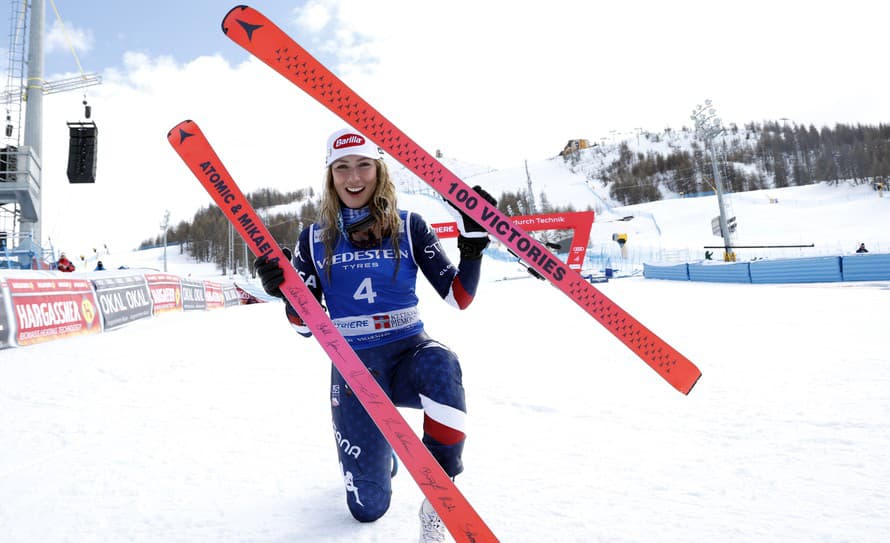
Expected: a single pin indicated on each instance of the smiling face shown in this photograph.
(355, 179)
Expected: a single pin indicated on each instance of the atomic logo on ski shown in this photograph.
(183, 135)
(249, 28)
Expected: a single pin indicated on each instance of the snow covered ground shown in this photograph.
(215, 426)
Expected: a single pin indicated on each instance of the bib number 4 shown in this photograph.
(365, 291)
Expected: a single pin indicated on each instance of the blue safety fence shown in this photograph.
(868, 267)
(824, 269)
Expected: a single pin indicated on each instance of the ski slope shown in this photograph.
(215, 426)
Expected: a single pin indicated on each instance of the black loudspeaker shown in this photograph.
(82, 152)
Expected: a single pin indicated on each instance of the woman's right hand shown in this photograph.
(271, 273)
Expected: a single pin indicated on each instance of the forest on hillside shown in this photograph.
(753, 157)
(209, 238)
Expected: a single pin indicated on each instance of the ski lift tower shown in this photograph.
(21, 154)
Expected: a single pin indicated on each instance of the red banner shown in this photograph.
(213, 295)
(166, 292)
(47, 309)
(577, 221)
(247, 297)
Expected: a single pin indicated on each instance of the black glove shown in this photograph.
(469, 227)
(271, 273)
(471, 248)
(473, 239)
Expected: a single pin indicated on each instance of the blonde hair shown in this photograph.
(382, 205)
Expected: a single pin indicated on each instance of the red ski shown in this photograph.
(262, 38)
(455, 511)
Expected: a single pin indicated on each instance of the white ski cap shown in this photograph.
(346, 141)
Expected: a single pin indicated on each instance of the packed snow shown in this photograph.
(215, 426)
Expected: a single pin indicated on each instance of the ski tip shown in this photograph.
(239, 7)
(181, 132)
(178, 126)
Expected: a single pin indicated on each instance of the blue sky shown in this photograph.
(644, 65)
(103, 30)
(641, 65)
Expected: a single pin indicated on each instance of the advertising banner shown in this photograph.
(5, 323)
(247, 297)
(577, 221)
(213, 295)
(47, 309)
(122, 299)
(193, 294)
(166, 292)
(445, 229)
(231, 295)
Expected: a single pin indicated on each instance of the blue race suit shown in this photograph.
(370, 297)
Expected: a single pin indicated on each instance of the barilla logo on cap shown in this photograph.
(349, 140)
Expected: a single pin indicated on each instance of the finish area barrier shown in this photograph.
(822, 269)
(40, 306)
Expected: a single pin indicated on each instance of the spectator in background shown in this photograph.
(861, 248)
(64, 265)
(99, 266)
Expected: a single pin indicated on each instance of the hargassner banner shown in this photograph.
(48, 308)
(213, 295)
(166, 292)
